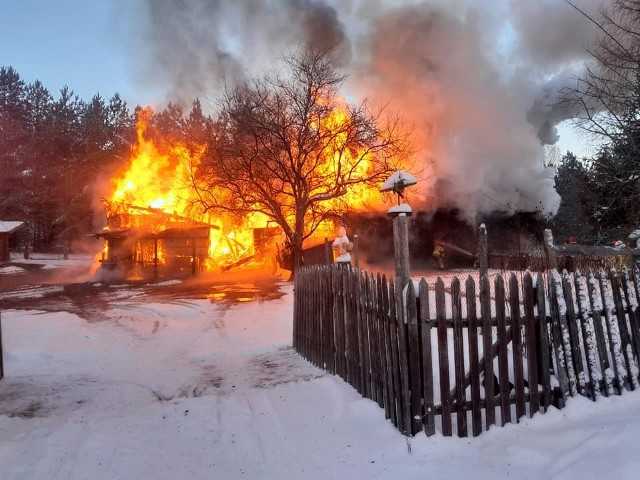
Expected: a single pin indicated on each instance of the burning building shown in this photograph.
(153, 220)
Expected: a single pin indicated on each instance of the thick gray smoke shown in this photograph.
(193, 47)
(477, 81)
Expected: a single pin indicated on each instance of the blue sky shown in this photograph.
(88, 45)
(67, 42)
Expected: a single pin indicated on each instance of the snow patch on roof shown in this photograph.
(8, 227)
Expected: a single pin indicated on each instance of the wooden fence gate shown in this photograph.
(450, 358)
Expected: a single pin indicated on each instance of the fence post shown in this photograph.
(328, 255)
(552, 261)
(356, 252)
(483, 251)
(401, 246)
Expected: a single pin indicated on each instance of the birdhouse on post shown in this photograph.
(400, 213)
(397, 182)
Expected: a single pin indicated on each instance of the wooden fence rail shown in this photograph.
(448, 357)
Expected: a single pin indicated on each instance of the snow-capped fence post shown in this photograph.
(518, 354)
(427, 361)
(474, 357)
(443, 358)
(401, 245)
(395, 358)
(552, 261)
(458, 357)
(613, 333)
(596, 309)
(530, 336)
(356, 252)
(574, 338)
(543, 348)
(632, 310)
(503, 359)
(625, 338)
(559, 351)
(397, 183)
(483, 250)
(588, 336)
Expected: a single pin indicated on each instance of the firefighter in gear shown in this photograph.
(438, 255)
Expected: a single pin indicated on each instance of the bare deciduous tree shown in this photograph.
(288, 144)
(607, 97)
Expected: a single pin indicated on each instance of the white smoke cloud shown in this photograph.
(478, 81)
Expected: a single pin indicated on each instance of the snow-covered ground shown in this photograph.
(208, 389)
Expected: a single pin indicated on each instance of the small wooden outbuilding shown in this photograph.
(6, 229)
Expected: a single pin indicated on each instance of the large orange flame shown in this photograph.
(156, 193)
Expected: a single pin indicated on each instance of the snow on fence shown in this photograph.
(421, 355)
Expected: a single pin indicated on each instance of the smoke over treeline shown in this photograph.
(477, 82)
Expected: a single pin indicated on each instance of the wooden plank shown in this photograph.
(311, 328)
(595, 301)
(518, 354)
(380, 340)
(574, 336)
(404, 362)
(324, 317)
(389, 406)
(354, 353)
(558, 345)
(612, 333)
(338, 326)
(529, 322)
(427, 362)
(413, 342)
(458, 358)
(474, 362)
(297, 292)
(305, 317)
(588, 336)
(625, 338)
(443, 358)
(376, 391)
(330, 339)
(487, 340)
(503, 361)
(367, 303)
(634, 321)
(361, 332)
(397, 387)
(542, 338)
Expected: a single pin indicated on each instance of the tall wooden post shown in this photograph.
(483, 250)
(328, 254)
(552, 261)
(155, 258)
(401, 245)
(356, 254)
(194, 259)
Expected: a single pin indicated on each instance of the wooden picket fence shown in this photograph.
(429, 355)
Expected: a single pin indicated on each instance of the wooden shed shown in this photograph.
(6, 229)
